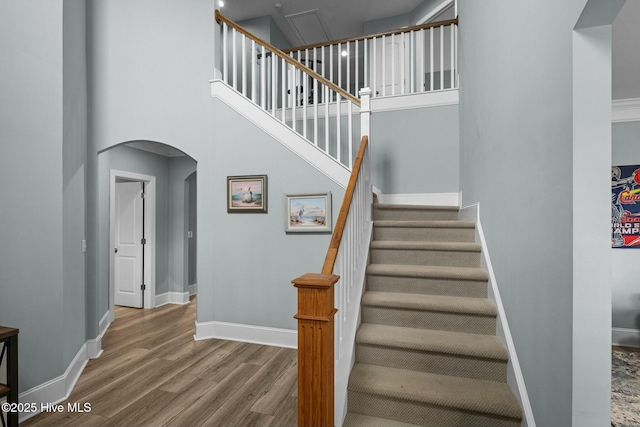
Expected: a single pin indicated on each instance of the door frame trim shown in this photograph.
(150, 234)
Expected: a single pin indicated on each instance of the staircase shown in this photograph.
(426, 351)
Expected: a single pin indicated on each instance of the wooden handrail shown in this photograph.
(287, 58)
(386, 33)
(336, 237)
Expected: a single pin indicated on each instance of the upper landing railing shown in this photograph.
(291, 92)
(421, 58)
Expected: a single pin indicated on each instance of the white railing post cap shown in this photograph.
(365, 91)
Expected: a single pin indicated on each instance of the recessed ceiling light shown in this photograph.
(221, 3)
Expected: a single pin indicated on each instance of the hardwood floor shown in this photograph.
(153, 373)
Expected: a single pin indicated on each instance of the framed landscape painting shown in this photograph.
(247, 194)
(308, 213)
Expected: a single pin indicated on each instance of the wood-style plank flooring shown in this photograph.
(153, 373)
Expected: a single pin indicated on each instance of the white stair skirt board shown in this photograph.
(193, 289)
(625, 110)
(515, 379)
(172, 298)
(281, 133)
(433, 199)
(415, 100)
(625, 337)
(247, 333)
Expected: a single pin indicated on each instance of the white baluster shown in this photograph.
(263, 79)
(326, 118)
(225, 53)
(431, 58)
(374, 66)
(402, 61)
(412, 60)
(365, 64)
(285, 85)
(315, 111)
(392, 63)
(441, 57)
(340, 65)
(384, 67)
(348, 57)
(421, 82)
(357, 61)
(338, 120)
(331, 63)
(244, 64)
(453, 76)
(234, 62)
(305, 95)
(350, 137)
(254, 55)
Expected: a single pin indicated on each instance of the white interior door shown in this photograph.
(390, 55)
(128, 247)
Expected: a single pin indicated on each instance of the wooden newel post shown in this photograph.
(315, 349)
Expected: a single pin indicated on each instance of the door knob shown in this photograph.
(116, 250)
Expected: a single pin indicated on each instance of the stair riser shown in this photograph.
(413, 215)
(424, 234)
(436, 363)
(441, 258)
(439, 321)
(422, 414)
(427, 286)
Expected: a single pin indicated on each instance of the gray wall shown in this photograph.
(517, 160)
(246, 261)
(192, 225)
(180, 168)
(265, 28)
(625, 268)
(73, 162)
(32, 181)
(416, 150)
(146, 82)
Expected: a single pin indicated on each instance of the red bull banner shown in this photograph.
(625, 206)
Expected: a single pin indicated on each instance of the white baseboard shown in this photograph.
(57, 389)
(94, 346)
(515, 378)
(625, 337)
(172, 298)
(247, 333)
(433, 199)
(193, 289)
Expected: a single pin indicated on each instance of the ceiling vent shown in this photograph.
(308, 27)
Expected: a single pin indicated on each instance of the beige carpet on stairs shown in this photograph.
(426, 351)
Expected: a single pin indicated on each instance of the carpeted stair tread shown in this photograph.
(425, 224)
(441, 390)
(427, 271)
(439, 303)
(456, 343)
(426, 246)
(359, 420)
